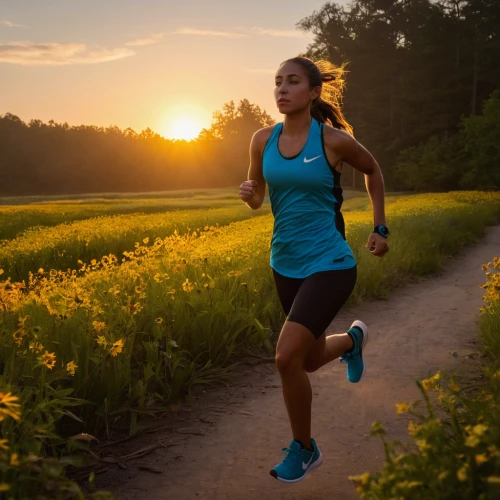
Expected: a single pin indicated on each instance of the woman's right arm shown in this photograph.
(253, 190)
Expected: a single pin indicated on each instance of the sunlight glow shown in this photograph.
(185, 127)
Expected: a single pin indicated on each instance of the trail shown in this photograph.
(245, 426)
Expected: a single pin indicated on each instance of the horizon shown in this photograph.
(102, 65)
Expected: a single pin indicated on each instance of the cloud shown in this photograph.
(155, 38)
(197, 32)
(278, 33)
(57, 54)
(4, 22)
(242, 32)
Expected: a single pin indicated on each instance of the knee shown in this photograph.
(288, 363)
(311, 366)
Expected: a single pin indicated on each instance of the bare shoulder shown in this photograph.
(343, 146)
(337, 140)
(261, 136)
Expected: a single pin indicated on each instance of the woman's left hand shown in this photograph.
(377, 245)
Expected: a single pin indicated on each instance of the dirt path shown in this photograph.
(245, 426)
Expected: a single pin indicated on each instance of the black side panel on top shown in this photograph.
(337, 192)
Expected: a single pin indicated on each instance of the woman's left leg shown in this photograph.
(317, 301)
(294, 343)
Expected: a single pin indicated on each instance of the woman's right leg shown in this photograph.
(317, 303)
(327, 349)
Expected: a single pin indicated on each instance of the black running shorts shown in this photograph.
(314, 301)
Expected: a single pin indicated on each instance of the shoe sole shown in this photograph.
(311, 467)
(364, 328)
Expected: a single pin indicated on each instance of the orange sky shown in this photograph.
(146, 63)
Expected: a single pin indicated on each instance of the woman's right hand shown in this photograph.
(247, 190)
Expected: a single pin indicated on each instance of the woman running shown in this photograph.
(314, 268)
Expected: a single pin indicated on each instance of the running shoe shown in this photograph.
(356, 366)
(297, 462)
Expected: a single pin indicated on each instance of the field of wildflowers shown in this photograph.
(63, 245)
(85, 350)
(20, 213)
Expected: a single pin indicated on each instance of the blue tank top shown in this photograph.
(305, 193)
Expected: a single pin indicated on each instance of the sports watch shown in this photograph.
(382, 230)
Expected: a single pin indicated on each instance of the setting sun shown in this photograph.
(183, 127)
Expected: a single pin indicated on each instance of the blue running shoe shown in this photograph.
(356, 366)
(297, 463)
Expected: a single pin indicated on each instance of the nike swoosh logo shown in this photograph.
(312, 159)
(305, 466)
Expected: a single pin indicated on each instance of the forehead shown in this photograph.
(290, 69)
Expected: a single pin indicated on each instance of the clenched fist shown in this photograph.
(247, 190)
(377, 245)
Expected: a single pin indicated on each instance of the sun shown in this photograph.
(185, 127)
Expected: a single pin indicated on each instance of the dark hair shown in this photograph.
(324, 74)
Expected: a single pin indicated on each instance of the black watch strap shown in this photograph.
(382, 230)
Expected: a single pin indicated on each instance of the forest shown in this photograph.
(422, 94)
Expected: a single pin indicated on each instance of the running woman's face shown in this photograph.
(292, 91)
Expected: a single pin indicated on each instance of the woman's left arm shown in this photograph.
(356, 155)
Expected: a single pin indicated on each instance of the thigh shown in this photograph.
(320, 297)
(287, 289)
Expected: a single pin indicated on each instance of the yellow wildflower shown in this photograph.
(402, 408)
(462, 474)
(426, 384)
(71, 367)
(35, 345)
(4, 444)
(145, 241)
(480, 459)
(18, 336)
(493, 480)
(101, 340)
(423, 445)
(412, 428)
(116, 348)
(479, 429)
(99, 325)
(187, 286)
(159, 321)
(409, 484)
(9, 406)
(364, 478)
(14, 460)
(454, 387)
(4, 487)
(472, 441)
(48, 359)
(443, 475)
(431, 382)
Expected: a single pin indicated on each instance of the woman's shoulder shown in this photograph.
(336, 139)
(261, 136)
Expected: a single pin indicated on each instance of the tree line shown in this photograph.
(55, 158)
(419, 69)
(422, 95)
